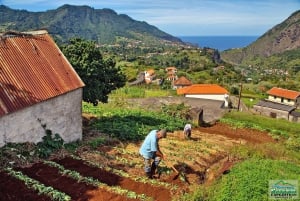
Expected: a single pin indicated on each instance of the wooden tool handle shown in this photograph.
(171, 166)
(174, 169)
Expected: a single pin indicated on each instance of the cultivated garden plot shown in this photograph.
(115, 171)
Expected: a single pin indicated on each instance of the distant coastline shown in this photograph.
(219, 42)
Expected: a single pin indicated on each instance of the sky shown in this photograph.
(187, 17)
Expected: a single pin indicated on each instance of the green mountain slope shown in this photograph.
(280, 42)
(101, 25)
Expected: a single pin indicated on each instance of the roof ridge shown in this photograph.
(8, 34)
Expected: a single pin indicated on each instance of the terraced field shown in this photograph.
(115, 171)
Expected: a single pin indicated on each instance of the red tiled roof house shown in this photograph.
(280, 104)
(181, 82)
(38, 86)
(171, 73)
(205, 91)
(149, 74)
(284, 96)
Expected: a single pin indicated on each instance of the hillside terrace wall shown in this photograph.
(62, 115)
(280, 114)
(211, 109)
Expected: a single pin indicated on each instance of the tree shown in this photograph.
(100, 76)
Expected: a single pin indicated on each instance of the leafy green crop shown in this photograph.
(36, 185)
(131, 124)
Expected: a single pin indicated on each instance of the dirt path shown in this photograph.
(243, 134)
(199, 161)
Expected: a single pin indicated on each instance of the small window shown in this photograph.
(273, 115)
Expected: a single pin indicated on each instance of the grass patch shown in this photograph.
(145, 91)
(279, 127)
(249, 101)
(249, 180)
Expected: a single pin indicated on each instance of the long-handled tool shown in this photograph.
(173, 168)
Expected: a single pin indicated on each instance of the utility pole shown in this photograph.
(240, 94)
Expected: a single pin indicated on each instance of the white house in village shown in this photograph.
(205, 91)
(149, 74)
(171, 73)
(38, 87)
(284, 96)
(281, 104)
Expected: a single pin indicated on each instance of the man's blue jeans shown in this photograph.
(150, 166)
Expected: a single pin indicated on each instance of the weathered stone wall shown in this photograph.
(212, 109)
(62, 115)
(268, 112)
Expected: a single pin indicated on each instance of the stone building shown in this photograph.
(38, 87)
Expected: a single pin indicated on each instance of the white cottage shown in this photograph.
(284, 96)
(38, 86)
(205, 91)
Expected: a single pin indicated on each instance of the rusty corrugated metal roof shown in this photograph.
(32, 69)
(285, 93)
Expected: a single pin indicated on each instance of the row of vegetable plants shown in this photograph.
(122, 173)
(89, 180)
(38, 186)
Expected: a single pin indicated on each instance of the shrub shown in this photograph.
(49, 144)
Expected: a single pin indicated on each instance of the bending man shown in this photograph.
(187, 131)
(151, 152)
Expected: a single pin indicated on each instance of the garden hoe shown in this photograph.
(173, 168)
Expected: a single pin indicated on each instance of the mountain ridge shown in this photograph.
(283, 37)
(67, 21)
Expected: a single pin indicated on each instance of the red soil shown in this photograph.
(78, 191)
(111, 179)
(12, 189)
(250, 135)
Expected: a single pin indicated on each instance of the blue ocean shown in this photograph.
(219, 42)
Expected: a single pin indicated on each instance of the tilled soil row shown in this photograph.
(79, 191)
(111, 179)
(13, 189)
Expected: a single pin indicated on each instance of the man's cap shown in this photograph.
(163, 132)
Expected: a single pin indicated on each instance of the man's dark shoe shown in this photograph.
(149, 175)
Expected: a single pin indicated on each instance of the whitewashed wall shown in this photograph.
(284, 101)
(62, 115)
(268, 111)
(220, 97)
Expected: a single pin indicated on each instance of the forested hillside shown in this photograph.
(277, 47)
(67, 21)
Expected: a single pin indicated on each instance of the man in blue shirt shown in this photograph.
(150, 151)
